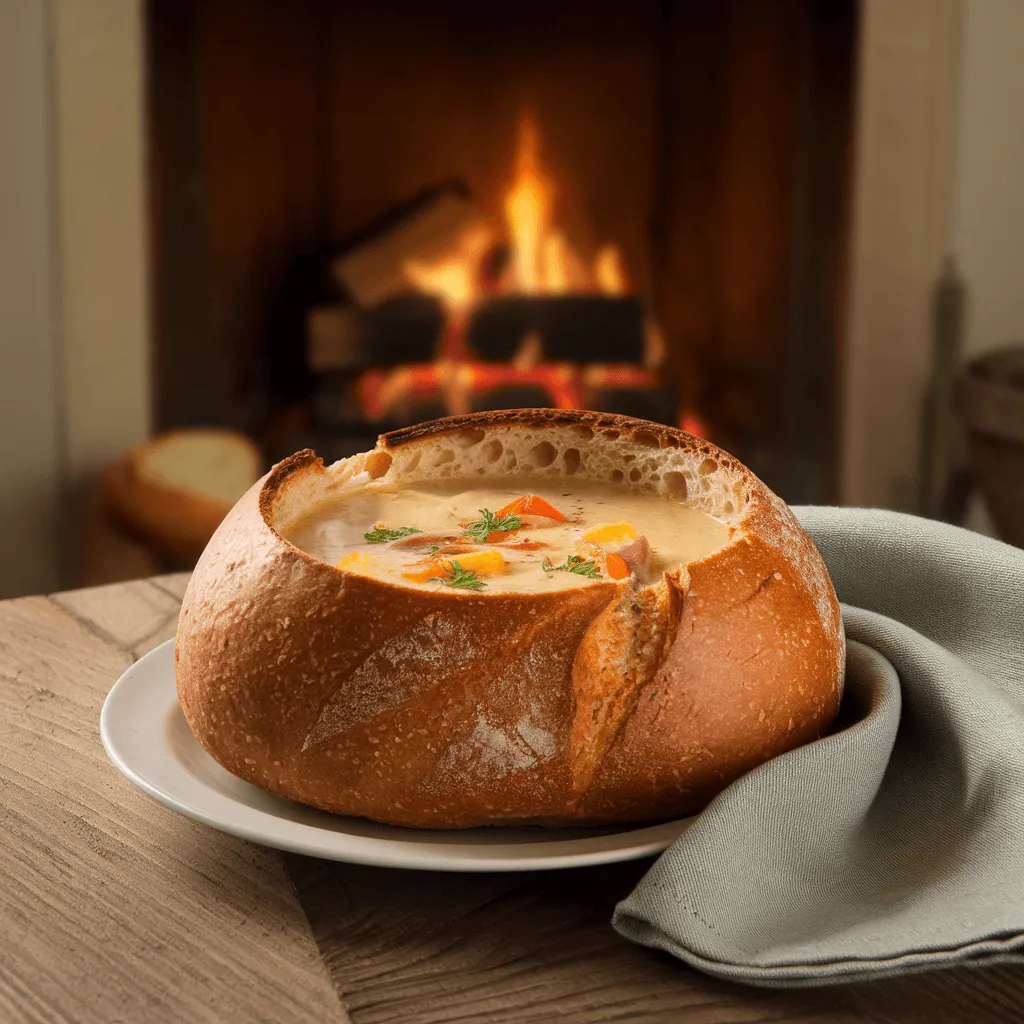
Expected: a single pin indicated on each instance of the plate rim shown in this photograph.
(407, 854)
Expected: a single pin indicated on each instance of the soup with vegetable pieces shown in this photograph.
(503, 537)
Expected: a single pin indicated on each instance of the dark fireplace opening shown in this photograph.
(367, 216)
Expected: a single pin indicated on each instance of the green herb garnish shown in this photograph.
(459, 577)
(381, 536)
(480, 529)
(574, 563)
(434, 548)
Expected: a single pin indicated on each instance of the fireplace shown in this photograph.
(442, 309)
(363, 215)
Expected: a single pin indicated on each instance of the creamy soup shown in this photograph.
(506, 535)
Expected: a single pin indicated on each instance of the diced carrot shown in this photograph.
(499, 535)
(616, 566)
(531, 505)
(483, 563)
(422, 575)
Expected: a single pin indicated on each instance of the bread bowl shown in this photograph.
(380, 688)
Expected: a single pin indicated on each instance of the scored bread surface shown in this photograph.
(601, 703)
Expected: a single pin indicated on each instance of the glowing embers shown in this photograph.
(462, 387)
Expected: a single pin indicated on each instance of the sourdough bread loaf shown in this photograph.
(435, 708)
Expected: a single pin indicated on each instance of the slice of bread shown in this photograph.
(174, 490)
(213, 465)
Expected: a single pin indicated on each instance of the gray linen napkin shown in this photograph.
(897, 842)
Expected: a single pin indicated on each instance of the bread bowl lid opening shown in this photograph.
(611, 505)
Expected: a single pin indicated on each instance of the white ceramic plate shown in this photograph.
(145, 734)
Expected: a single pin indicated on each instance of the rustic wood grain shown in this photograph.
(113, 908)
(174, 584)
(430, 948)
(133, 617)
(426, 948)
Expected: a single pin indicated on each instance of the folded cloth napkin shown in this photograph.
(896, 843)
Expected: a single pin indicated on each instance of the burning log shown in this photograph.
(373, 268)
(571, 328)
(335, 338)
(407, 329)
(379, 400)
(563, 328)
(446, 314)
(630, 391)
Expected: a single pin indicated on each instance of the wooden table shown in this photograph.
(115, 909)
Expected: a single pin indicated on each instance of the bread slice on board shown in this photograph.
(175, 490)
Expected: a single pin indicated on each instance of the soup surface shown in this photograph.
(506, 535)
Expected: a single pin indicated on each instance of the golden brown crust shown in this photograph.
(538, 418)
(445, 709)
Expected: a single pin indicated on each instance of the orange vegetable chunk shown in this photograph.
(483, 563)
(616, 566)
(499, 535)
(354, 560)
(531, 505)
(611, 533)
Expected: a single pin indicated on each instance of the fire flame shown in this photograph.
(556, 259)
(527, 208)
(453, 276)
(693, 424)
(451, 281)
(543, 261)
(609, 272)
(542, 258)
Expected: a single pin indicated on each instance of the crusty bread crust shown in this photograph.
(446, 709)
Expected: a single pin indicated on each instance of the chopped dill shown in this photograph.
(382, 536)
(460, 578)
(480, 529)
(574, 563)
